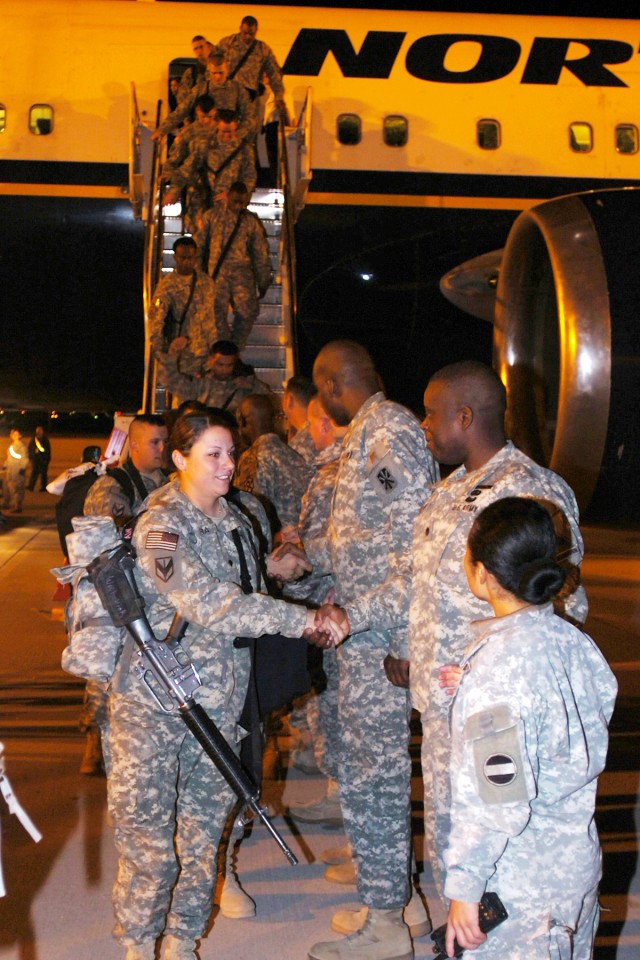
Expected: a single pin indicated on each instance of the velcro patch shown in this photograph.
(167, 572)
(161, 540)
(387, 476)
(497, 753)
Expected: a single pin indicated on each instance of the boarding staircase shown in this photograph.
(271, 349)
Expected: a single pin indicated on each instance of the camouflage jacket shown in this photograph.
(171, 296)
(187, 563)
(106, 498)
(529, 738)
(314, 521)
(384, 475)
(442, 606)
(181, 147)
(207, 163)
(17, 459)
(260, 60)
(302, 443)
(249, 248)
(227, 394)
(277, 475)
(229, 95)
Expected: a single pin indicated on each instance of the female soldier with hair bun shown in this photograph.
(529, 738)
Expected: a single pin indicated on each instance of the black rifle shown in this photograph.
(491, 913)
(173, 677)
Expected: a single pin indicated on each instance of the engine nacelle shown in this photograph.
(567, 344)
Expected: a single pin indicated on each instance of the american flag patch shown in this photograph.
(161, 540)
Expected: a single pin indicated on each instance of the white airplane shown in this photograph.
(427, 135)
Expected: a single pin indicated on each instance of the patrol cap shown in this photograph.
(91, 454)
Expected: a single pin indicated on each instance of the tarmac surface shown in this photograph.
(58, 904)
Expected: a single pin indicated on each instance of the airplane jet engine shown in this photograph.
(567, 344)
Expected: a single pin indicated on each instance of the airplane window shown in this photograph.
(395, 130)
(41, 119)
(488, 133)
(349, 128)
(627, 138)
(581, 137)
(3, 117)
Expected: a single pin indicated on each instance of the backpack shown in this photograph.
(94, 643)
(71, 503)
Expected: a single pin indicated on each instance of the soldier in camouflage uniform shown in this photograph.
(249, 60)
(234, 251)
(384, 475)
(322, 705)
(108, 498)
(295, 401)
(270, 469)
(182, 324)
(220, 383)
(215, 162)
(15, 472)
(464, 423)
(203, 124)
(529, 738)
(167, 800)
(202, 48)
(226, 95)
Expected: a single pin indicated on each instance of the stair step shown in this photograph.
(270, 313)
(263, 355)
(266, 335)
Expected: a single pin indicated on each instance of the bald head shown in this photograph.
(255, 416)
(346, 377)
(465, 405)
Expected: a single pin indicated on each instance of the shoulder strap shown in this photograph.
(245, 579)
(194, 280)
(227, 160)
(130, 480)
(227, 247)
(243, 59)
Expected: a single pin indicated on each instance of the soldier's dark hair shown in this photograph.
(190, 406)
(188, 429)
(249, 20)
(240, 188)
(198, 36)
(226, 116)
(216, 57)
(151, 419)
(204, 103)
(184, 242)
(302, 388)
(515, 540)
(473, 371)
(226, 347)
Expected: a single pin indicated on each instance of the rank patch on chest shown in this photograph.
(161, 540)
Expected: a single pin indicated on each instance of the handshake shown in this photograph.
(326, 627)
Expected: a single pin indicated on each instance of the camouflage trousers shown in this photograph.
(13, 489)
(530, 933)
(322, 717)
(169, 806)
(375, 771)
(236, 291)
(436, 756)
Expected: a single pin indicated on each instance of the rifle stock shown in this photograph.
(112, 575)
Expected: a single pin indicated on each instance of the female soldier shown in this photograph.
(167, 800)
(529, 738)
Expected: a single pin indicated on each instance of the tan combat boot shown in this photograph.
(234, 902)
(175, 949)
(415, 916)
(384, 936)
(141, 951)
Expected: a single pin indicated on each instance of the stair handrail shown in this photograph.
(288, 237)
(152, 264)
